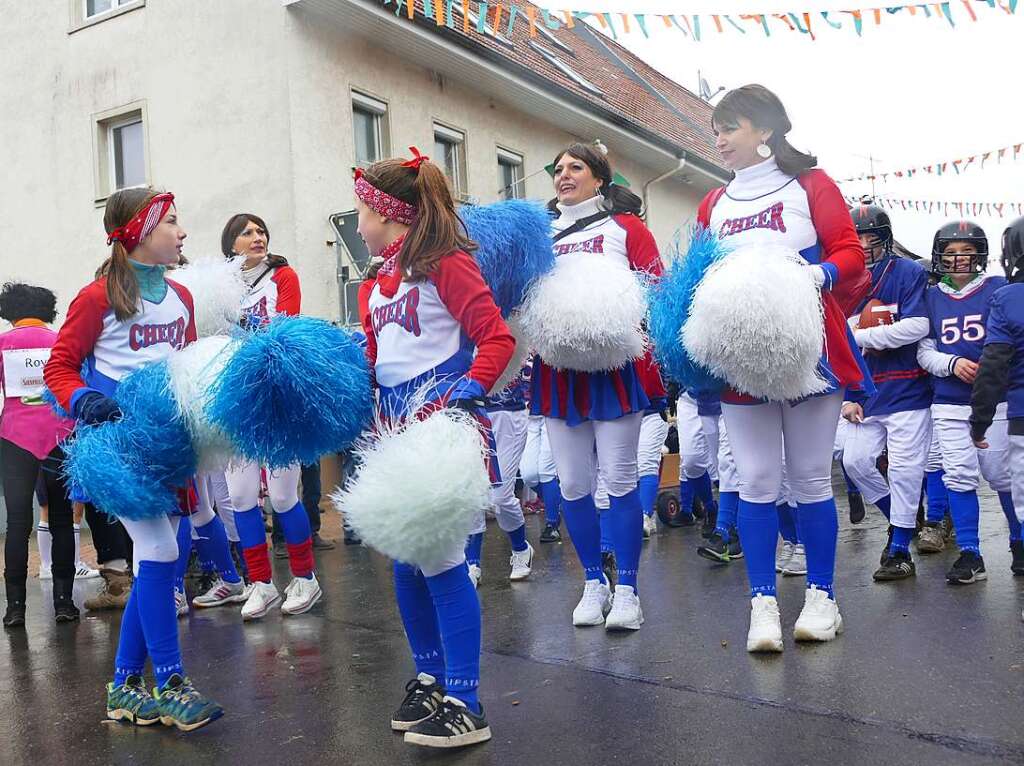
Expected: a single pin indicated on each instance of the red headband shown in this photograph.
(381, 202)
(142, 225)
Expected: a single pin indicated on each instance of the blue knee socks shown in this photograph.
(938, 500)
(1006, 501)
(787, 523)
(687, 490)
(627, 522)
(551, 494)
(728, 504)
(212, 544)
(131, 645)
(585, 533)
(474, 548)
(851, 488)
(249, 524)
(758, 525)
(419, 618)
(963, 507)
(158, 617)
(818, 528)
(648, 486)
(184, 552)
(604, 518)
(901, 537)
(883, 504)
(458, 617)
(702, 489)
(518, 539)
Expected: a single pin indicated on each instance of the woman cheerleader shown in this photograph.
(602, 409)
(777, 198)
(425, 313)
(273, 289)
(130, 316)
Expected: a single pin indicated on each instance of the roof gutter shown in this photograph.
(680, 165)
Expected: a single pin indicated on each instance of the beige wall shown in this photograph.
(248, 108)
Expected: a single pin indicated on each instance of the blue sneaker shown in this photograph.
(131, 702)
(182, 706)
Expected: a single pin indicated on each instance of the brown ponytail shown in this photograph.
(437, 229)
(122, 284)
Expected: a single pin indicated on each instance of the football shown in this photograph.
(875, 313)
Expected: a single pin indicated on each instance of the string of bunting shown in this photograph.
(968, 208)
(957, 166)
(494, 16)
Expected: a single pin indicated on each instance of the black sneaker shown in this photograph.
(551, 534)
(422, 699)
(897, 566)
(710, 519)
(609, 567)
(735, 549)
(857, 511)
(970, 567)
(885, 550)
(1017, 550)
(716, 549)
(453, 725)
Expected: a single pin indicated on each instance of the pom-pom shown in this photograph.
(757, 322)
(520, 354)
(670, 300)
(293, 391)
(586, 315)
(217, 291)
(419, 488)
(48, 398)
(515, 247)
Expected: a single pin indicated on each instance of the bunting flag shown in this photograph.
(959, 165)
(443, 13)
(970, 208)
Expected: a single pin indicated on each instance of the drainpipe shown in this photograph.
(667, 174)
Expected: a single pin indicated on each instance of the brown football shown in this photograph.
(875, 313)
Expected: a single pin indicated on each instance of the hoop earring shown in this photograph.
(764, 151)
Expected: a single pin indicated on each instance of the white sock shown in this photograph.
(45, 543)
(78, 543)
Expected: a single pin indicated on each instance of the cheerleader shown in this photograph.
(130, 316)
(777, 197)
(273, 289)
(538, 470)
(604, 409)
(425, 312)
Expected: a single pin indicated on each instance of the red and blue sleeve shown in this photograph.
(641, 249)
(75, 342)
(366, 321)
(842, 256)
(289, 294)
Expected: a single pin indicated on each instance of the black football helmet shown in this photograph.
(960, 231)
(872, 220)
(1013, 251)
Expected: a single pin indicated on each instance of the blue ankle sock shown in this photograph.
(131, 644)
(184, 552)
(158, 617)
(585, 532)
(787, 523)
(702, 489)
(758, 525)
(419, 618)
(518, 539)
(604, 519)
(648, 486)
(851, 488)
(963, 507)
(728, 504)
(818, 528)
(474, 548)
(1006, 501)
(212, 544)
(901, 538)
(458, 617)
(627, 522)
(938, 500)
(687, 490)
(551, 494)
(883, 504)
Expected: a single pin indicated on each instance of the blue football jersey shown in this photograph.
(709, 404)
(513, 396)
(1006, 325)
(958, 328)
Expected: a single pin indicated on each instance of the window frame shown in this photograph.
(79, 18)
(104, 164)
(443, 132)
(511, 158)
(565, 69)
(363, 101)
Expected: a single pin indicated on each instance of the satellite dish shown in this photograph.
(705, 90)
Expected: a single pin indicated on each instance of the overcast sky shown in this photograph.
(910, 92)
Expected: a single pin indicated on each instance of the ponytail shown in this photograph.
(122, 284)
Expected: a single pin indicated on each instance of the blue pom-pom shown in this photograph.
(295, 390)
(670, 299)
(48, 398)
(515, 247)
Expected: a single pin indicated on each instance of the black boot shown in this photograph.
(64, 608)
(15, 615)
(1017, 549)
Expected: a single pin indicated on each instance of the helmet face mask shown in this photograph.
(875, 232)
(960, 247)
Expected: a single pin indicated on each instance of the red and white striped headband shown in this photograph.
(381, 202)
(142, 225)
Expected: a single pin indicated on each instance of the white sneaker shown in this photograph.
(222, 593)
(626, 613)
(301, 594)
(45, 573)
(784, 555)
(475, 573)
(596, 601)
(797, 564)
(765, 634)
(522, 563)
(85, 572)
(180, 602)
(819, 620)
(650, 526)
(262, 596)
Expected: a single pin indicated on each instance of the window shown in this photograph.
(567, 70)
(121, 150)
(510, 175)
(85, 13)
(550, 37)
(369, 125)
(450, 152)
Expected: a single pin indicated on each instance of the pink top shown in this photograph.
(28, 422)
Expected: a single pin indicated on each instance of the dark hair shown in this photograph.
(20, 301)
(236, 225)
(437, 229)
(122, 284)
(764, 110)
(618, 199)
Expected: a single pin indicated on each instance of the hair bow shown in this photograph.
(417, 159)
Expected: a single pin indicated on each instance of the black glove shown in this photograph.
(94, 408)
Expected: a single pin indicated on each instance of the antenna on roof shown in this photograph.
(704, 89)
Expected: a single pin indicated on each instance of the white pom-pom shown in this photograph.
(419, 489)
(520, 354)
(757, 322)
(586, 314)
(217, 292)
(192, 371)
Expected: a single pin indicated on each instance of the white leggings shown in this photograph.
(965, 464)
(694, 454)
(1017, 474)
(537, 466)
(243, 479)
(710, 426)
(573, 450)
(808, 429)
(653, 431)
(153, 539)
(728, 477)
(212, 488)
(509, 438)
